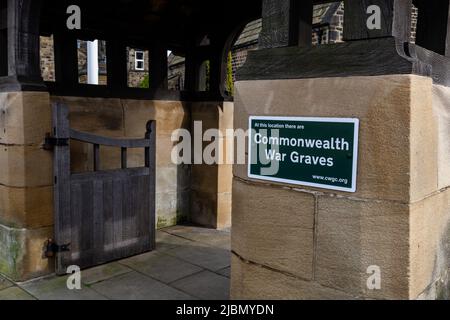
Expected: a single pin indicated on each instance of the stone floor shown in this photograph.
(190, 263)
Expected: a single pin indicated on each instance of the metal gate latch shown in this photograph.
(52, 248)
(51, 142)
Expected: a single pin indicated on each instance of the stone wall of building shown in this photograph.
(292, 242)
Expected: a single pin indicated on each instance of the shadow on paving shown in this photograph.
(190, 263)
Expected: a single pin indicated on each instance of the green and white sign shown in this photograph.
(314, 152)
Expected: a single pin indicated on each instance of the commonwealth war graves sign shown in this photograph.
(314, 152)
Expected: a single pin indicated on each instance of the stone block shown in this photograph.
(441, 107)
(354, 235)
(224, 209)
(169, 116)
(205, 178)
(95, 115)
(252, 282)
(22, 253)
(171, 208)
(25, 166)
(204, 208)
(274, 227)
(173, 178)
(430, 242)
(25, 118)
(26, 207)
(389, 109)
(424, 139)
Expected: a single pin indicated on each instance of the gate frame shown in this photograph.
(62, 134)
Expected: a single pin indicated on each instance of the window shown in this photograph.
(92, 72)
(139, 61)
(138, 65)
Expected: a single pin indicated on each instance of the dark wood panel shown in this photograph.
(105, 141)
(357, 58)
(395, 19)
(61, 169)
(104, 215)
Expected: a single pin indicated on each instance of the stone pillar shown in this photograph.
(294, 242)
(26, 185)
(212, 184)
(26, 178)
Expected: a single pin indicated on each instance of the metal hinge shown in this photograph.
(52, 248)
(51, 142)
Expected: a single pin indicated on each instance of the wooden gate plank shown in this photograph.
(105, 215)
(62, 185)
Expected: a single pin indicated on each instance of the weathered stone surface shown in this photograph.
(424, 140)
(135, 286)
(161, 267)
(26, 207)
(25, 166)
(224, 208)
(441, 107)
(172, 207)
(25, 118)
(210, 258)
(95, 115)
(173, 178)
(354, 235)
(4, 283)
(102, 273)
(15, 294)
(250, 281)
(274, 227)
(204, 208)
(205, 285)
(382, 104)
(21, 253)
(430, 243)
(170, 115)
(56, 289)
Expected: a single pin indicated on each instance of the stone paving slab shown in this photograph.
(102, 273)
(55, 288)
(211, 237)
(225, 272)
(14, 294)
(166, 241)
(135, 286)
(210, 258)
(4, 283)
(205, 285)
(177, 270)
(161, 267)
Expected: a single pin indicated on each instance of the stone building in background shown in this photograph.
(328, 22)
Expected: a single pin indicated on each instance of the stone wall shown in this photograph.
(26, 181)
(291, 242)
(26, 184)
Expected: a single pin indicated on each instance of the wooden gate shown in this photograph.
(101, 216)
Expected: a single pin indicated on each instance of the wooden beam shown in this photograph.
(23, 40)
(302, 19)
(66, 59)
(158, 67)
(116, 53)
(395, 19)
(3, 15)
(433, 26)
